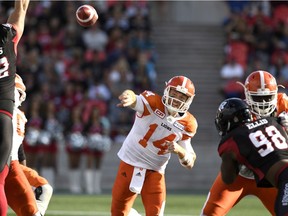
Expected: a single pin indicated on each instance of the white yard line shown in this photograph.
(86, 213)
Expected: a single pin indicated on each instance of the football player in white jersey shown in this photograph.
(162, 126)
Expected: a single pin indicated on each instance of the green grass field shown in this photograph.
(176, 205)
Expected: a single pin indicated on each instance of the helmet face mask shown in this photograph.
(261, 93)
(178, 94)
(231, 113)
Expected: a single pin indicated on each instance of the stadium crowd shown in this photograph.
(256, 38)
(73, 76)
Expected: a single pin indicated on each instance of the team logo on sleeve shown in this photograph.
(159, 113)
(178, 125)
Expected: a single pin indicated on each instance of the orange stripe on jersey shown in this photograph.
(146, 111)
(191, 125)
(154, 100)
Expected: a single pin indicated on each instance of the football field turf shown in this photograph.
(176, 205)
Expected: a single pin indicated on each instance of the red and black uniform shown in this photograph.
(9, 39)
(8, 44)
(259, 145)
(223, 197)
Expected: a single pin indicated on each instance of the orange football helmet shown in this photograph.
(183, 85)
(21, 88)
(261, 92)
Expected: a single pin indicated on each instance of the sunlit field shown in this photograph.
(177, 205)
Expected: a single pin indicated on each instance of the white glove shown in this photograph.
(284, 120)
(43, 198)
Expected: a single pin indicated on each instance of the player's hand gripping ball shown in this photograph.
(86, 15)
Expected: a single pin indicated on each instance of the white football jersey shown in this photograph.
(144, 145)
(19, 121)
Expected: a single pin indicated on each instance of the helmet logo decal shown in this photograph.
(222, 105)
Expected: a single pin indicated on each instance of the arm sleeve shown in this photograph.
(190, 155)
(21, 153)
(139, 107)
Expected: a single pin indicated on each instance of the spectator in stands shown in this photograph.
(230, 73)
(95, 65)
(144, 72)
(99, 91)
(95, 38)
(262, 43)
(116, 46)
(31, 41)
(66, 101)
(117, 17)
(75, 60)
(97, 130)
(138, 19)
(33, 128)
(119, 78)
(75, 145)
(49, 140)
(280, 71)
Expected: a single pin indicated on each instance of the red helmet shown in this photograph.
(261, 92)
(183, 85)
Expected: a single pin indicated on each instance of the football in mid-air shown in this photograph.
(86, 15)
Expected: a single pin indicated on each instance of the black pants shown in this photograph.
(6, 131)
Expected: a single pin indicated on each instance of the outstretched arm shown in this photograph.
(17, 17)
(127, 99)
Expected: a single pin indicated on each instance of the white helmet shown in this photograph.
(261, 92)
(181, 84)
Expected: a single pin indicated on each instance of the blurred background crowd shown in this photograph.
(74, 75)
(256, 35)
